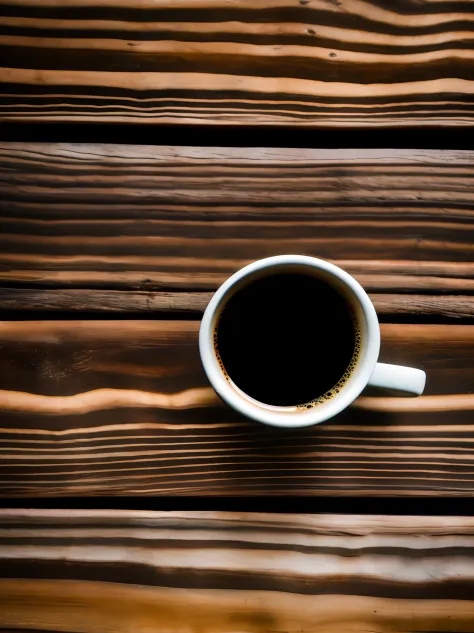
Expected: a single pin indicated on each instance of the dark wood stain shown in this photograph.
(109, 254)
(299, 63)
(123, 407)
(186, 442)
(212, 571)
(120, 228)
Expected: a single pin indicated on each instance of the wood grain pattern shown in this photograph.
(284, 62)
(135, 228)
(450, 307)
(124, 408)
(90, 571)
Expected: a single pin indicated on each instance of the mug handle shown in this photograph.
(408, 381)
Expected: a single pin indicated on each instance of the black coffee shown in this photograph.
(286, 339)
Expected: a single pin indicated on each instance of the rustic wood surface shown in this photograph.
(91, 223)
(278, 62)
(121, 408)
(124, 408)
(210, 572)
(450, 307)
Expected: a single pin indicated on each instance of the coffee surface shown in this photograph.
(286, 339)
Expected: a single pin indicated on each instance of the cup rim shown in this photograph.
(276, 416)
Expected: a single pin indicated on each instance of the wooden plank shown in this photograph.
(41, 299)
(286, 62)
(194, 303)
(124, 408)
(91, 571)
(90, 223)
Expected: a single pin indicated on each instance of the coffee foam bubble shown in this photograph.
(345, 377)
(218, 356)
(326, 396)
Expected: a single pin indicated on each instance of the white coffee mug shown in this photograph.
(367, 372)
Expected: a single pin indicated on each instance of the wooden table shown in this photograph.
(111, 244)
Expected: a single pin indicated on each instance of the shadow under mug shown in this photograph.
(366, 373)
